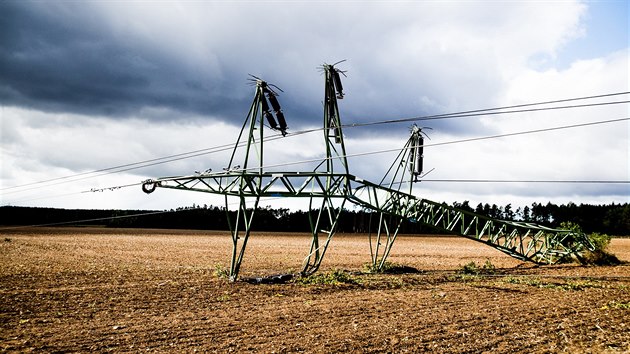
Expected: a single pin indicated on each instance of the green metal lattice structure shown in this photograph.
(330, 185)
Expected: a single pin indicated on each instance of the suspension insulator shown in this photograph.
(265, 105)
(282, 122)
(419, 161)
(419, 156)
(267, 114)
(273, 100)
(412, 160)
(270, 120)
(338, 85)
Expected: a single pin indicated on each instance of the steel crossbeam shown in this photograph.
(285, 184)
(525, 241)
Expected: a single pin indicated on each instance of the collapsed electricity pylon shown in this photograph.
(331, 181)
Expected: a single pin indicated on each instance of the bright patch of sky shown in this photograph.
(604, 28)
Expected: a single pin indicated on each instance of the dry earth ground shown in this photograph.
(81, 289)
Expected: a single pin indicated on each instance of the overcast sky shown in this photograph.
(86, 86)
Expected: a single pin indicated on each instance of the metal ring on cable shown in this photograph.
(149, 186)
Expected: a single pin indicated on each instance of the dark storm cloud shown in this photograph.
(119, 59)
(60, 58)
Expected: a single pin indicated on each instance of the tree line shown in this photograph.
(612, 219)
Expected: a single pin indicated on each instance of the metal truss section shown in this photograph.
(525, 241)
(521, 240)
(285, 184)
(245, 177)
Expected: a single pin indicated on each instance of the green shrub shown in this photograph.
(599, 255)
(599, 241)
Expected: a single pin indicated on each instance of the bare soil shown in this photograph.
(83, 289)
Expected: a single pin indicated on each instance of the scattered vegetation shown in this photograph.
(600, 241)
(220, 271)
(389, 268)
(223, 297)
(600, 257)
(331, 278)
(473, 269)
(573, 285)
(617, 305)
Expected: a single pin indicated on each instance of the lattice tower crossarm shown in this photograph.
(522, 240)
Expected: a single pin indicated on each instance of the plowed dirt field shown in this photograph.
(89, 289)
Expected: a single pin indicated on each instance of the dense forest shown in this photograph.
(612, 219)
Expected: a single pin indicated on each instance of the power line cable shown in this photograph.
(88, 220)
(456, 180)
(107, 169)
(140, 164)
(206, 151)
(439, 144)
(398, 149)
(466, 113)
(72, 222)
(451, 116)
(448, 142)
(425, 180)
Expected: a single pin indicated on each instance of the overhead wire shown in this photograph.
(73, 222)
(564, 181)
(446, 142)
(140, 164)
(398, 149)
(157, 212)
(225, 147)
(464, 115)
(385, 151)
(205, 151)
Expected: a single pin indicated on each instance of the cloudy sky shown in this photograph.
(86, 87)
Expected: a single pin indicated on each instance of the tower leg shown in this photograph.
(381, 246)
(244, 218)
(329, 215)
